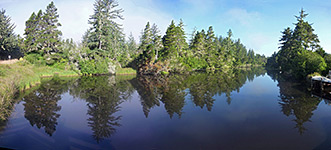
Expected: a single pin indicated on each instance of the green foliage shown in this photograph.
(308, 62)
(8, 40)
(41, 32)
(296, 57)
(105, 33)
(35, 58)
(94, 66)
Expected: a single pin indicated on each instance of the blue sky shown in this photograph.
(257, 23)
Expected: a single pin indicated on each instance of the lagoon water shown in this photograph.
(235, 110)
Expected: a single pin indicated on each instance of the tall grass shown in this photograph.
(22, 76)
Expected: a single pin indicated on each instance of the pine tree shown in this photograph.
(8, 41)
(303, 35)
(105, 34)
(50, 33)
(199, 45)
(169, 42)
(211, 47)
(132, 46)
(180, 39)
(146, 38)
(156, 40)
(30, 30)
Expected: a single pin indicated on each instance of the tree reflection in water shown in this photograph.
(41, 108)
(103, 96)
(201, 87)
(296, 100)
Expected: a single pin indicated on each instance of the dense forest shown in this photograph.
(104, 47)
(300, 53)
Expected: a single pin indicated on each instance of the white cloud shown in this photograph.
(242, 16)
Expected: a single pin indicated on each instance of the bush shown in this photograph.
(308, 62)
(35, 58)
(94, 66)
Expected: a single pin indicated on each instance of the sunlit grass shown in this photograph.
(22, 76)
(126, 71)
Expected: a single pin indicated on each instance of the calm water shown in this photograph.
(234, 110)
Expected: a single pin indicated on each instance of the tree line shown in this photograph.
(104, 47)
(300, 53)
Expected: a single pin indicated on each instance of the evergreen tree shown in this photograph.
(8, 41)
(132, 46)
(199, 44)
(211, 47)
(50, 34)
(169, 42)
(181, 44)
(157, 41)
(105, 34)
(146, 38)
(303, 34)
(295, 56)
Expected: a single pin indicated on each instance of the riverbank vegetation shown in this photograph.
(104, 49)
(22, 75)
(300, 53)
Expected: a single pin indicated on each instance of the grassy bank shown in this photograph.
(21, 76)
(126, 71)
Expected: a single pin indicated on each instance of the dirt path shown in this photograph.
(8, 61)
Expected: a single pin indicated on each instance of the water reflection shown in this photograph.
(41, 106)
(103, 96)
(296, 100)
(200, 87)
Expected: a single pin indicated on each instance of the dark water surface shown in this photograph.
(234, 110)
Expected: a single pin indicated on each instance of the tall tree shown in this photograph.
(8, 41)
(156, 38)
(50, 32)
(132, 46)
(105, 33)
(146, 38)
(303, 34)
(169, 41)
(211, 47)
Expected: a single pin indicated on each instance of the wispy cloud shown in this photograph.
(242, 16)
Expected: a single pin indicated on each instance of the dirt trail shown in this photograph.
(8, 61)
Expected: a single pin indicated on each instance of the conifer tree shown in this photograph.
(8, 41)
(156, 40)
(50, 33)
(132, 46)
(169, 41)
(211, 47)
(146, 38)
(105, 34)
